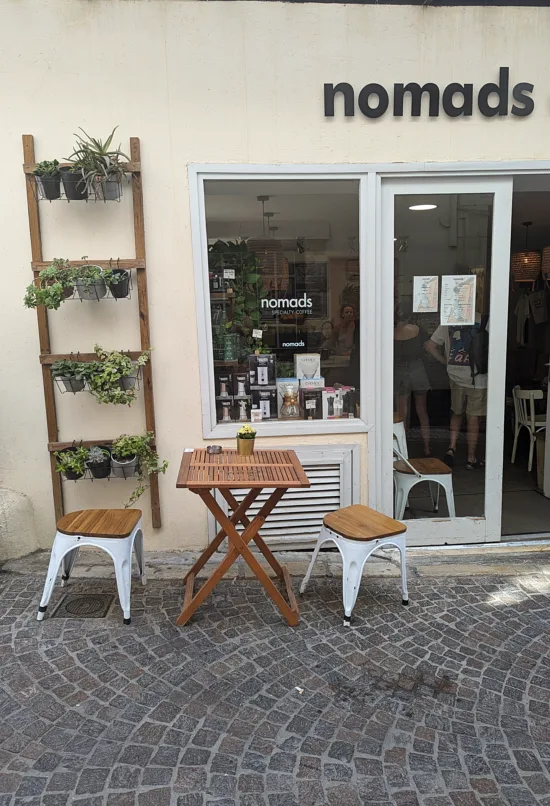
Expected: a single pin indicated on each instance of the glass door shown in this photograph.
(445, 267)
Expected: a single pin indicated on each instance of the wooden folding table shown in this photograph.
(202, 473)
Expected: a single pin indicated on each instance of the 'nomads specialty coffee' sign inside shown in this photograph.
(455, 99)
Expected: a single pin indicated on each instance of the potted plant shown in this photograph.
(100, 166)
(245, 440)
(73, 182)
(114, 376)
(71, 462)
(131, 455)
(53, 286)
(99, 462)
(72, 374)
(119, 284)
(48, 178)
(91, 282)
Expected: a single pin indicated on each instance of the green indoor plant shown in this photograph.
(71, 462)
(48, 178)
(99, 462)
(247, 285)
(53, 285)
(119, 283)
(131, 455)
(100, 166)
(73, 374)
(114, 376)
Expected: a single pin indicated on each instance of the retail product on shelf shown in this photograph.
(241, 384)
(241, 409)
(333, 403)
(289, 388)
(312, 403)
(264, 399)
(224, 409)
(312, 383)
(262, 370)
(223, 384)
(307, 365)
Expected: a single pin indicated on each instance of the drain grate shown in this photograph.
(87, 605)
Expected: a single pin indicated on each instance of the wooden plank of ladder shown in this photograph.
(143, 305)
(43, 327)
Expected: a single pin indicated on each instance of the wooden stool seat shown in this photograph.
(362, 523)
(426, 467)
(99, 522)
(397, 418)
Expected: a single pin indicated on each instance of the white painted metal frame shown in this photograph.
(367, 212)
(458, 530)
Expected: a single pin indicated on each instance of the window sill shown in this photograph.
(280, 428)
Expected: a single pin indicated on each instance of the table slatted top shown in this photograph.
(264, 468)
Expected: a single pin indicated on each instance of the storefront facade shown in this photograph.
(301, 111)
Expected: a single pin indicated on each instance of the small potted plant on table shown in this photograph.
(99, 462)
(245, 440)
(48, 179)
(71, 463)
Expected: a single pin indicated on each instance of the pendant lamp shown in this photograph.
(526, 265)
(269, 252)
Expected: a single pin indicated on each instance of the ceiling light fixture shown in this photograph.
(418, 207)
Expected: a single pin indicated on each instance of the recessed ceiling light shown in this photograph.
(423, 207)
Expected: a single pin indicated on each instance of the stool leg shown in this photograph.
(53, 567)
(123, 572)
(140, 556)
(320, 540)
(353, 560)
(448, 485)
(403, 553)
(67, 565)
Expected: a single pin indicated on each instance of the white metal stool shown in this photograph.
(399, 435)
(116, 531)
(357, 532)
(407, 473)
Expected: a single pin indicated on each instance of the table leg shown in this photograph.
(240, 510)
(232, 501)
(240, 546)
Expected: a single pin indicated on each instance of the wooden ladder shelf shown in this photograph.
(47, 358)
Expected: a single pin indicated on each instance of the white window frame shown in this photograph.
(367, 201)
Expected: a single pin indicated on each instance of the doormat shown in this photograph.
(87, 605)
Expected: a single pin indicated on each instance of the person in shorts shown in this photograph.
(450, 345)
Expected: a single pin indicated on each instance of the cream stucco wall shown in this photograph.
(206, 82)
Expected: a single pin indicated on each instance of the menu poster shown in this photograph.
(458, 294)
(425, 291)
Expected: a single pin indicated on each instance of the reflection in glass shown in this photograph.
(441, 321)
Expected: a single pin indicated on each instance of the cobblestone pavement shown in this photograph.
(444, 703)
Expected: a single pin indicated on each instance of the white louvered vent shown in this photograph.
(334, 475)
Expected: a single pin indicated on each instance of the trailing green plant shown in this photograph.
(53, 285)
(97, 455)
(72, 461)
(248, 286)
(127, 447)
(47, 168)
(89, 275)
(96, 160)
(80, 370)
(105, 380)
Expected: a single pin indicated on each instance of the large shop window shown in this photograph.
(283, 266)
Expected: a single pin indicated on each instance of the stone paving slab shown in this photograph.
(443, 703)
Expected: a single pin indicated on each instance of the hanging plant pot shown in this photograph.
(92, 291)
(121, 288)
(71, 475)
(124, 468)
(73, 385)
(50, 186)
(108, 189)
(73, 184)
(101, 470)
(129, 381)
